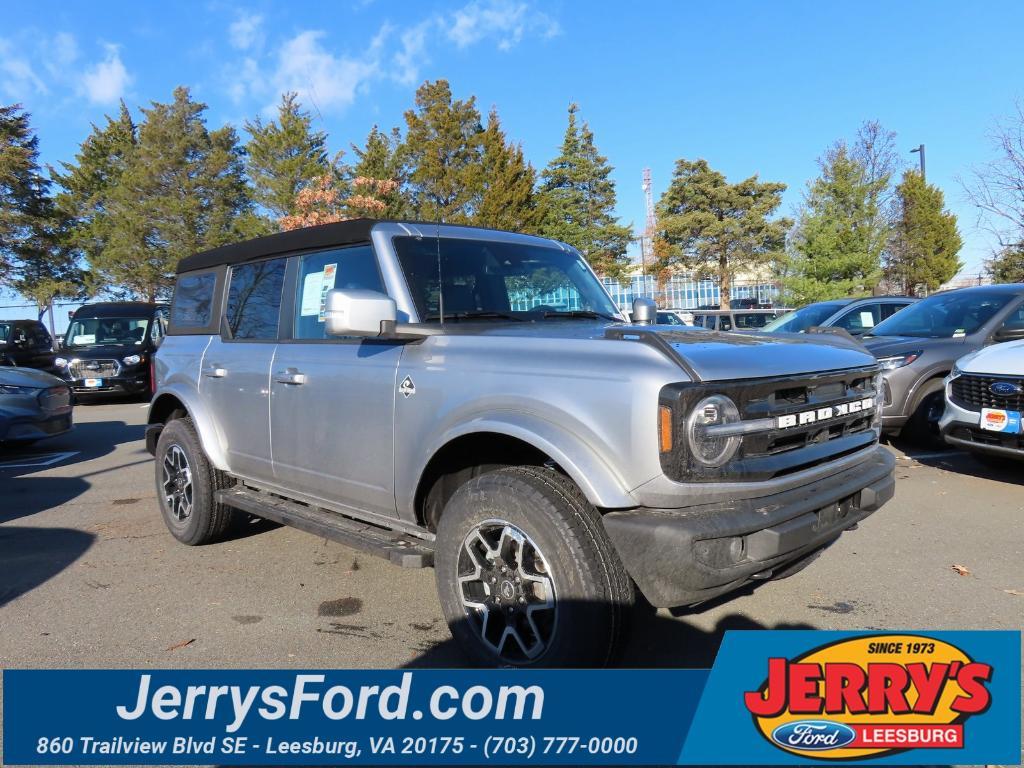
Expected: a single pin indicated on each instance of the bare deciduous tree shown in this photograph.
(997, 187)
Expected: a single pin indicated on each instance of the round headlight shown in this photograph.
(132, 360)
(707, 449)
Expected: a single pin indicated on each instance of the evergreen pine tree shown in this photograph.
(283, 157)
(508, 198)
(1008, 265)
(840, 234)
(376, 177)
(578, 199)
(926, 241)
(86, 186)
(718, 229)
(34, 260)
(144, 203)
(442, 155)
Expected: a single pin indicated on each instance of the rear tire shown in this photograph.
(186, 486)
(526, 574)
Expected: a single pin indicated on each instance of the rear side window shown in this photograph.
(348, 269)
(192, 306)
(891, 308)
(861, 319)
(254, 300)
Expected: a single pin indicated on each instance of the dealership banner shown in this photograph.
(772, 697)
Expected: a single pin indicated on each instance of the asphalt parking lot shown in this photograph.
(91, 578)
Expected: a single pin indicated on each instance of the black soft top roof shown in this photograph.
(118, 309)
(308, 238)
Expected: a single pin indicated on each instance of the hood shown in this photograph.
(1006, 359)
(711, 355)
(104, 351)
(887, 346)
(29, 377)
(715, 356)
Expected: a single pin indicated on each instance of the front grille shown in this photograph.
(94, 369)
(776, 452)
(972, 392)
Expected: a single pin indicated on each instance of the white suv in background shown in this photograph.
(985, 400)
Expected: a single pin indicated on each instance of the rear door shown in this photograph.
(235, 373)
(333, 399)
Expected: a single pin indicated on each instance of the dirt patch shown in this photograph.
(248, 619)
(344, 606)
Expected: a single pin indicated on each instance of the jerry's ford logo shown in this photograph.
(1005, 388)
(869, 696)
(817, 415)
(814, 735)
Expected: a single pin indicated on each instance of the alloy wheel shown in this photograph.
(177, 483)
(507, 590)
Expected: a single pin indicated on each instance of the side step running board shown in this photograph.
(402, 550)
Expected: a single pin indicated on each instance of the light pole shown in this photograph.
(920, 149)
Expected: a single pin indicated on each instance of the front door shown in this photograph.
(235, 375)
(333, 399)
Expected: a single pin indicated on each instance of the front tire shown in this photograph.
(186, 486)
(922, 429)
(526, 574)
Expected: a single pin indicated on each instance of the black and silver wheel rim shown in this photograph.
(176, 483)
(507, 591)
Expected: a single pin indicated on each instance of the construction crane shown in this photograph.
(647, 239)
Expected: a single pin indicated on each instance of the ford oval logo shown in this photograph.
(814, 735)
(1005, 388)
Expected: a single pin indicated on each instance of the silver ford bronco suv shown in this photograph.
(472, 399)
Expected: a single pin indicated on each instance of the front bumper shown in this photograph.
(34, 426)
(961, 429)
(688, 555)
(131, 384)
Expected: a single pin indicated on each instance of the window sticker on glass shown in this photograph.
(311, 294)
(867, 320)
(327, 284)
(85, 338)
(959, 333)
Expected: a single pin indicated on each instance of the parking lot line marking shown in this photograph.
(40, 460)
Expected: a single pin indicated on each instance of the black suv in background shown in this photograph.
(26, 344)
(109, 346)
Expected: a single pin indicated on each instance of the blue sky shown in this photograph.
(753, 87)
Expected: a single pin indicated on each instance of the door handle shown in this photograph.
(290, 376)
(215, 373)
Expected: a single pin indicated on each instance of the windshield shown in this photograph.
(753, 319)
(481, 279)
(944, 316)
(94, 331)
(801, 319)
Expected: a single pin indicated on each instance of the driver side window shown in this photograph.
(1014, 322)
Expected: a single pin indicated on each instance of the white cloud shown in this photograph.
(506, 20)
(106, 82)
(246, 32)
(322, 80)
(63, 49)
(412, 54)
(18, 79)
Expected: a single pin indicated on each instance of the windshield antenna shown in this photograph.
(440, 276)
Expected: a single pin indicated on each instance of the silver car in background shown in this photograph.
(33, 405)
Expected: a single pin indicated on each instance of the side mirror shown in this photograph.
(1008, 334)
(645, 311)
(359, 313)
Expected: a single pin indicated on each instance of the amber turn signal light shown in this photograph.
(664, 428)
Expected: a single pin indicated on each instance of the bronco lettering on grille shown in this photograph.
(817, 415)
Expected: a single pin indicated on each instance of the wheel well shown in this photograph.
(464, 458)
(924, 389)
(165, 409)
